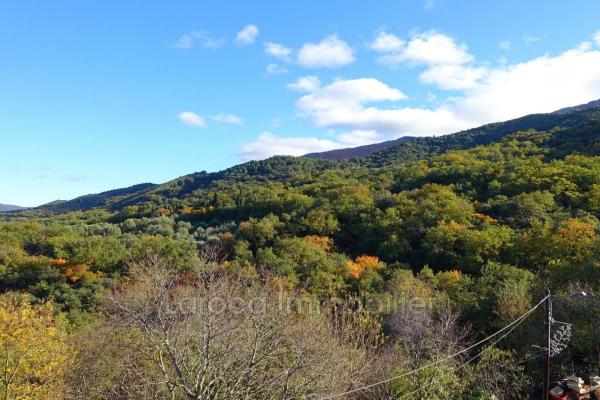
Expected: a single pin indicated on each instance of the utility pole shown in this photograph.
(547, 340)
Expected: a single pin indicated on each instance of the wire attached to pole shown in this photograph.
(433, 364)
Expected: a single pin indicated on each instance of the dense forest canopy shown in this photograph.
(477, 225)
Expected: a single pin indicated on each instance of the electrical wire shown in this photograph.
(433, 364)
(496, 342)
(478, 355)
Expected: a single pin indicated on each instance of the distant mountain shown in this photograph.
(416, 148)
(9, 207)
(578, 132)
(567, 131)
(581, 107)
(279, 168)
(360, 151)
(88, 201)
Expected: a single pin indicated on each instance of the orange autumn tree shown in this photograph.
(60, 262)
(76, 272)
(81, 272)
(362, 264)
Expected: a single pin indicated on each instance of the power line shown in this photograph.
(433, 364)
(478, 354)
(501, 337)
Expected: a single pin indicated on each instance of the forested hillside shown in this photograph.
(474, 227)
(573, 130)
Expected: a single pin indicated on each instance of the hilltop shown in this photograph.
(10, 207)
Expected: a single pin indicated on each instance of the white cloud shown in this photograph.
(184, 42)
(543, 84)
(485, 94)
(386, 42)
(528, 39)
(268, 144)
(347, 95)
(247, 35)
(228, 119)
(504, 44)
(278, 51)
(192, 119)
(359, 137)
(597, 38)
(540, 85)
(276, 69)
(305, 84)
(430, 48)
(453, 76)
(449, 63)
(343, 105)
(330, 52)
(201, 38)
(429, 4)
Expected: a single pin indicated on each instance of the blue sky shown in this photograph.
(106, 94)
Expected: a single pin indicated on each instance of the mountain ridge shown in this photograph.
(575, 129)
(10, 207)
(538, 121)
(358, 151)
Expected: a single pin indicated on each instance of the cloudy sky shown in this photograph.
(99, 95)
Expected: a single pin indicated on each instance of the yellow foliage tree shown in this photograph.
(33, 350)
(363, 263)
(324, 242)
(574, 242)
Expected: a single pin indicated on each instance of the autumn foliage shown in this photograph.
(362, 264)
(33, 354)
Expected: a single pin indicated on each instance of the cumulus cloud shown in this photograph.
(345, 105)
(348, 95)
(366, 110)
(453, 76)
(192, 119)
(227, 118)
(278, 51)
(543, 84)
(268, 144)
(276, 69)
(597, 38)
(448, 63)
(540, 85)
(504, 44)
(305, 84)
(386, 42)
(188, 40)
(247, 35)
(430, 48)
(331, 52)
(359, 137)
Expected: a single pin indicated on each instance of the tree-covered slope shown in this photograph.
(567, 131)
(279, 168)
(579, 132)
(477, 234)
(415, 148)
(89, 201)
